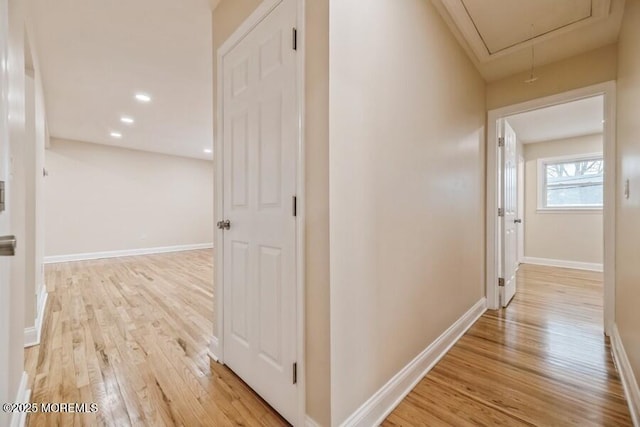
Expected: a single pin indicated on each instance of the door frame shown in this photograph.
(521, 203)
(216, 348)
(608, 91)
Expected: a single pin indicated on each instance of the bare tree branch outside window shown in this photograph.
(576, 183)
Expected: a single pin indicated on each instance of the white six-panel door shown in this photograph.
(510, 206)
(260, 134)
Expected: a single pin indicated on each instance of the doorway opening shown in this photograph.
(551, 190)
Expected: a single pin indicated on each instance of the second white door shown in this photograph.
(510, 212)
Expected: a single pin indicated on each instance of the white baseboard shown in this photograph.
(310, 422)
(385, 400)
(123, 253)
(214, 349)
(18, 419)
(629, 382)
(32, 334)
(591, 266)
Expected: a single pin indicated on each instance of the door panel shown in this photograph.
(510, 206)
(240, 161)
(270, 152)
(240, 310)
(260, 134)
(271, 54)
(270, 285)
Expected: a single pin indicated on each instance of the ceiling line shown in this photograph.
(541, 34)
(476, 27)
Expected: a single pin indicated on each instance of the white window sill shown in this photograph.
(568, 210)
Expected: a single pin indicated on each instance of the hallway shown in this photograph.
(541, 361)
(130, 335)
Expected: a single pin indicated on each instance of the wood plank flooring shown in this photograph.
(542, 361)
(131, 335)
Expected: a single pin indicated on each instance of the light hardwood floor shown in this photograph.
(131, 335)
(542, 361)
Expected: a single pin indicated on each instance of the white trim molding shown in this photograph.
(126, 252)
(214, 349)
(33, 334)
(576, 265)
(310, 422)
(493, 249)
(385, 400)
(19, 419)
(572, 211)
(629, 382)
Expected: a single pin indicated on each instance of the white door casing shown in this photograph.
(6, 395)
(259, 150)
(510, 212)
(521, 213)
(493, 241)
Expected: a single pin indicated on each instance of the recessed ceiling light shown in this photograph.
(143, 97)
(208, 150)
(127, 120)
(116, 135)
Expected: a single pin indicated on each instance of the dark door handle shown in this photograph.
(224, 225)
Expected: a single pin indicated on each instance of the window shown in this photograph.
(571, 182)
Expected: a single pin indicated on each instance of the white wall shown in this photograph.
(596, 66)
(100, 198)
(37, 140)
(40, 143)
(628, 210)
(317, 210)
(564, 236)
(407, 135)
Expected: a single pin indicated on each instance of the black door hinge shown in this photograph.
(295, 373)
(295, 38)
(294, 206)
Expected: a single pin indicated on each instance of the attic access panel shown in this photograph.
(497, 27)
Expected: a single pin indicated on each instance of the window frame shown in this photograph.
(542, 183)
